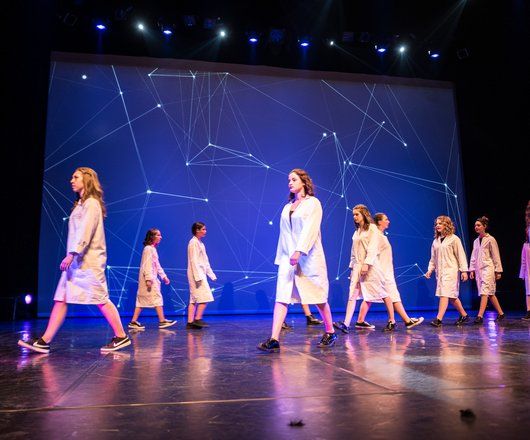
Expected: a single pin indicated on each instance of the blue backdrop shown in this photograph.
(177, 144)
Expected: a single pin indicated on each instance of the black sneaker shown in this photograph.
(341, 326)
(135, 325)
(500, 317)
(286, 326)
(390, 327)
(436, 322)
(116, 344)
(478, 320)
(364, 324)
(527, 316)
(311, 320)
(193, 326)
(270, 345)
(35, 344)
(328, 340)
(414, 322)
(201, 323)
(462, 319)
(166, 323)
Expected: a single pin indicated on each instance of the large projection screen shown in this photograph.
(180, 141)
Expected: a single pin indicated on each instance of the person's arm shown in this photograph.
(461, 258)
(160, 270)
(311, 228)
(473, 261)
(193, 258)
(209, 270)
(146, 267)
(496, 257)
(432, 262)
(372, 249)
(523, 271)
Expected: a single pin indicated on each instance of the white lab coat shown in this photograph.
(198, 272)
(386, 266)
(307, 282)
(524, 273)
(364, 250)
(447, 258)
(150, 270)
(84, 282)
(485, 261)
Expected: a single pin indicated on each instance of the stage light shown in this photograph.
(223, 33)
(101, 26)
(380, 48)
(140, 26)
(28, 299)
(402, 49)
(84, 77)
(304, 42)
(167, 31)
(253, 40)
(433, 54)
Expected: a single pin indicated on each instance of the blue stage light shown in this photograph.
(304, 43)
(101, 26)
(167, 31)
(253, 40)
(433, 54)
(28, 299)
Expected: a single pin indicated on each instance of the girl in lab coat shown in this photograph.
(387, 269)
(447, 259)
(366, 279)
(198, 272)
(485, 266)
(83, 278)
(302, 270)
(149, 293)
(524, 273)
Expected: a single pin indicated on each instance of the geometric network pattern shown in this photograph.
(175, 146)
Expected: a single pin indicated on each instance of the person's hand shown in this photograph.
(149, 285)
(463, 276)
(498, 276)
(165, 280)
(428, 274)
(472, 275)
(67, 261)
(364, 269)
(214, 279)
(294, 258)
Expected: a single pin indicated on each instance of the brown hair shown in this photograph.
(92, 188)
(306, 180)
(378, 217)
(197, 226)
(484, 220)
(449, 227)
(367, 217)
(150, 236)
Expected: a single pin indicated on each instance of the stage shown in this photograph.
(214, 383)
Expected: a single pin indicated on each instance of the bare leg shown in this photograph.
(495, 301)
(483, 304)
(398, 307)
(136, 314)
(365, 306)
(201, 307)
(442, 307)
(110, 312)
(389, 309)
(56, 320)
(350, 310)
(307, 310)
(457, 304)
(191, 312)
(160, 313)
(528, 303)
(280, 312)
(325, 312)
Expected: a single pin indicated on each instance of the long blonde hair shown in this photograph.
(367, 217)
(449, 227)
(92, 188)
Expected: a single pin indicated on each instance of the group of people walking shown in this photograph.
(302, 271)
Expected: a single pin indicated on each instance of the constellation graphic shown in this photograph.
(173, 146)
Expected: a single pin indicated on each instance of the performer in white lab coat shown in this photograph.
(149, 293)
(485, 266)
(387, 269)
(524, 273)
(83, 279)
(198, 272)
(447, 259)
(366, 279)
(302, 270)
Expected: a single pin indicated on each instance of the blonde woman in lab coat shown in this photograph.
(448, 259)
(485, 266)
(83, 278)
(302, 270)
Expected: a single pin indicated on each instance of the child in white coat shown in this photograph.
(524, 273)
(149, 293)
(198, 272)
(485, 266)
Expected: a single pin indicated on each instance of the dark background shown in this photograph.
(485, 54)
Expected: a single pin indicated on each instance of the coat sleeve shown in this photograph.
(209, 270)
(523, 272)
(159, 268)
(432, 261)
(89, 223)
(473, 261)
(146, 266)
(460, 255)
(373, 245)
(352, 255)
(495, 255)
(311, 228)
(193, 258)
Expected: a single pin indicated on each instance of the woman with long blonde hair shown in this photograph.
(83, 278)
(448, 258)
